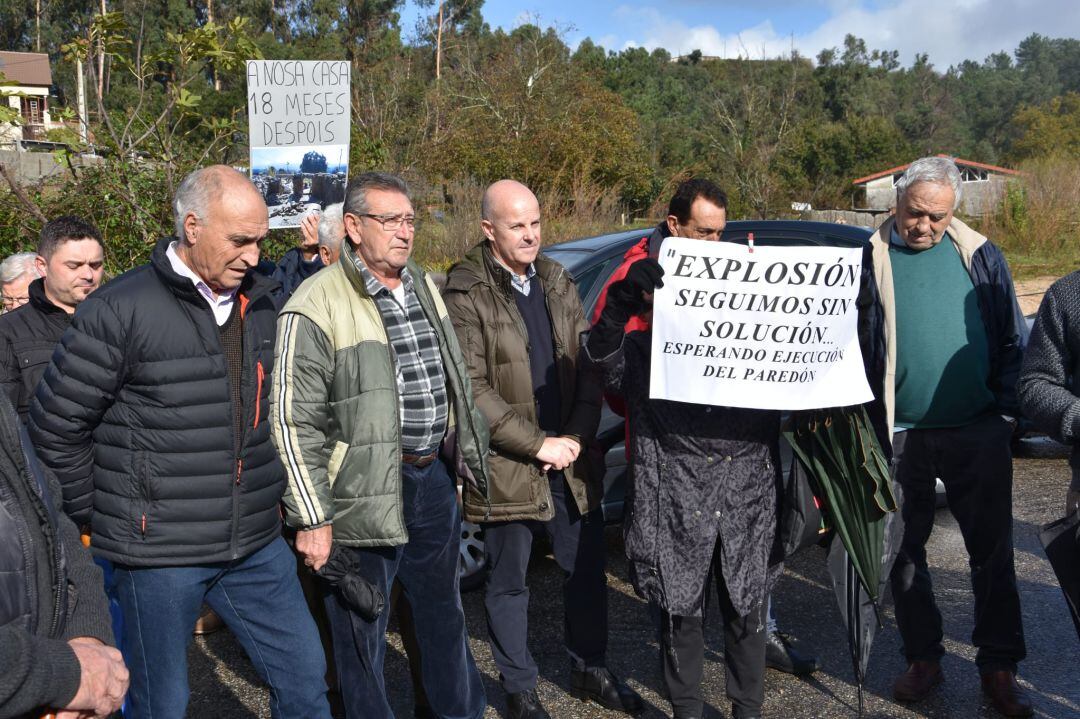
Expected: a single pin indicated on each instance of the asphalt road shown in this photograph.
(223, 683)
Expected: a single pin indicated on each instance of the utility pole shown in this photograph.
(37, 27)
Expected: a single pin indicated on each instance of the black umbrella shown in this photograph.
(1061, 541)
(343, 573)
(848, 471)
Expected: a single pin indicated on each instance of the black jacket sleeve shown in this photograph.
(35, 672)
(88, 607)
(10, 379)
(77, 388)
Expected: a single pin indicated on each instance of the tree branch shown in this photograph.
(21, 196)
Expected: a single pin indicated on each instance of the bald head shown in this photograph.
(220, 220)
(510, 218)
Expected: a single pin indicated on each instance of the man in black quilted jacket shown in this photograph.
(153, 414)
(70, 258)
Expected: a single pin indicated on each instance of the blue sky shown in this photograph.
(948, 30)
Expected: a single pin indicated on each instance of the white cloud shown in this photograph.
(949, 31)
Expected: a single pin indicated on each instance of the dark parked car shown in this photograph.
(592, 261)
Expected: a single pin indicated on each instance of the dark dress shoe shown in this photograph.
(914, 684)
(781, 655)
(525, 705)
(600, 685)
(1008, 697)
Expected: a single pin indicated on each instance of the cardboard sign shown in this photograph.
(298, 129)
(771, 328)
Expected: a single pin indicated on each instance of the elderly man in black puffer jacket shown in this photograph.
(154, 415)
(55, 636)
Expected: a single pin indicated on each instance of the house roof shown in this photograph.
(26, 68)
(957, 160)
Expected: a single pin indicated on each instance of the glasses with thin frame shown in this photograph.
(392, 223)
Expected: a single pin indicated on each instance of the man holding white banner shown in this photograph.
(688, 520)
(737, 333)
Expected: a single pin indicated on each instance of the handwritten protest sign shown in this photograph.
(775, 328)
(298, 122)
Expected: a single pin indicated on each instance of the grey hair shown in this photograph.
(356, 193)
(938, 170)
(15, 266)
(332, 226)
(195, 192)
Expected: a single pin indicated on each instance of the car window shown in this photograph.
(587, 278)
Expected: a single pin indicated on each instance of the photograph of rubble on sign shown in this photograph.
(295, 180)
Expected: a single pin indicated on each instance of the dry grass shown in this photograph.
(450, 214)
(1038, 219)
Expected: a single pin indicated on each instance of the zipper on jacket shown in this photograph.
(142, 525)
(259, 374)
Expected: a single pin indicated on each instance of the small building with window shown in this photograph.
(26, 90)
(983, 187)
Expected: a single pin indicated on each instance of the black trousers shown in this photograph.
(578, 542)
(682, 655)
(975, 464)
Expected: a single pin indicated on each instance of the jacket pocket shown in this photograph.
(146, 495)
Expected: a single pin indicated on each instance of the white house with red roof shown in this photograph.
(983, 187)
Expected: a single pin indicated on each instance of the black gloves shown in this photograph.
(643, 277)
(624, 300)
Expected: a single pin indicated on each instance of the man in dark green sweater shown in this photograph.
(955, 339)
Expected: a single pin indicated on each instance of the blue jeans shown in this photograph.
(259, 599)
(427, 568)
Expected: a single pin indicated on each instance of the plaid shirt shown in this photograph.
(420, 380)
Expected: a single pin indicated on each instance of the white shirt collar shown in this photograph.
(220, 303)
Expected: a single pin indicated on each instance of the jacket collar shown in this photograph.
(348, 266)
(40, 300)
(252, 287)
(966, 240)
(479, 266)
(659, 234)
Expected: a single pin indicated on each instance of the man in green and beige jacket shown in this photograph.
(373, 417)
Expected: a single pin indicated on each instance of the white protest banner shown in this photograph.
(772, 328)
(298, 130)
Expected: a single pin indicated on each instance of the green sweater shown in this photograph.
(942, 353)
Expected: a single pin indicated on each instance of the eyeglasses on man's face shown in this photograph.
(393, 223)
(13, 301)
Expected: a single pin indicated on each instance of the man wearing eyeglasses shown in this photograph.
(373, 416)
(16, 273)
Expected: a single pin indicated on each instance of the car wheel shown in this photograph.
(472, 566)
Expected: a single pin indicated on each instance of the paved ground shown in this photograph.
(223, 684)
